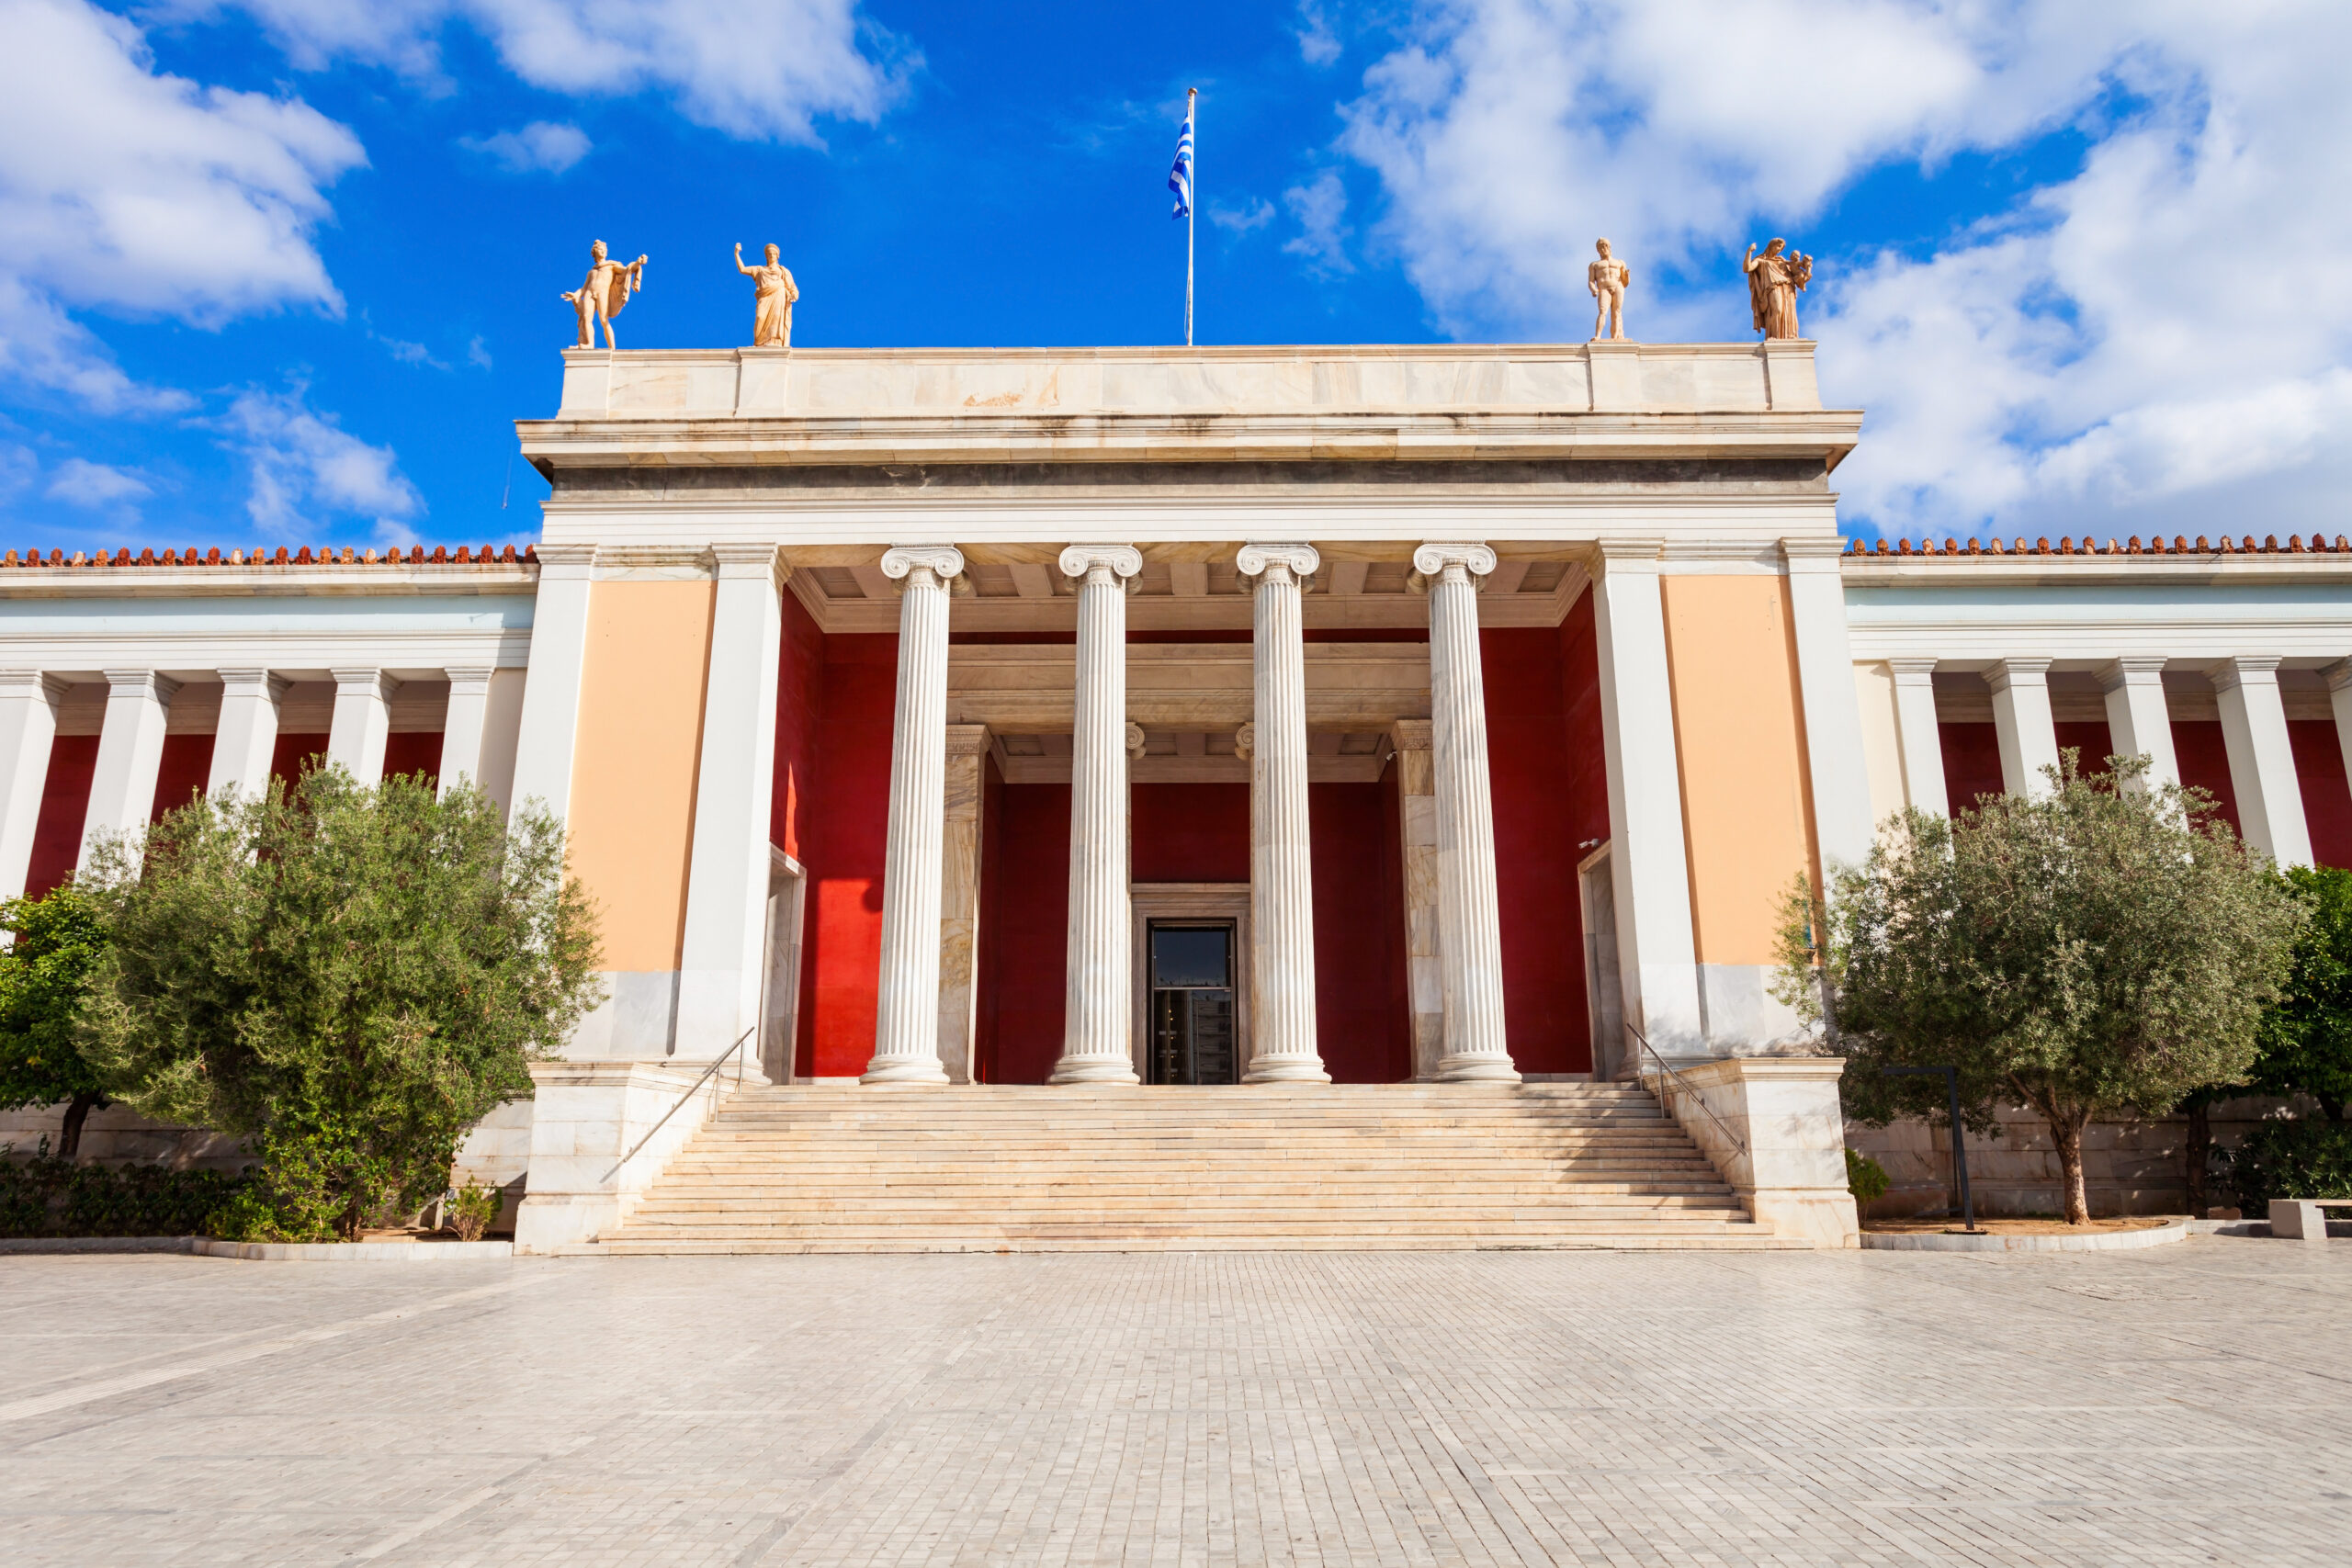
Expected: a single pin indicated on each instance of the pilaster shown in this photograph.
(131, 755)
(2262, 761)
(464, 726)
(1843, 823)
(2022, 722)
(550, 722)
(1417, 813)
(1920, 736)
(959, 899)
(363, 721)
(2139, 720)
(27, 726)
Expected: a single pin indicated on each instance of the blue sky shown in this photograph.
(284, 271)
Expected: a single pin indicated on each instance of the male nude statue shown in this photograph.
(600, 298)
(1607, 280)
(775, 294)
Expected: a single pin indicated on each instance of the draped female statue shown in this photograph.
(1774, 280)
(772, 319)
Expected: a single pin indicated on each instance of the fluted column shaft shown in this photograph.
(1281, 879)
(906, 1024)
(1470, 925)
(1098, 1000)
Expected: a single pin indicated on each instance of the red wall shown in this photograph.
(295, 754)
(65, 803)
(1972, 763)
(413, 751)
(1360, 1026)
(1535, 851)
(186, 764)
(2205, 763)
(2327, 800)
(799, 698)
(842, 827)
(1029, 934)
(1190, 832)
(2089, 738)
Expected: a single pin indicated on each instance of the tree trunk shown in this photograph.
(78, 1111)
(2199, 1151)
(2068, 1131)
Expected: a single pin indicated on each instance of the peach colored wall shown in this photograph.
(1746, 811)
(632, 819)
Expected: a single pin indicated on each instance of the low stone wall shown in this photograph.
(2129, 1167)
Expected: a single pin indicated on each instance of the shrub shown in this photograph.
(471, 1208)
(48, 1195)
(44, 975)
(2289, 1159)
(1865, 1177)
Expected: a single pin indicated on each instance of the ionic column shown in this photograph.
(463, 726)
(959, 898)
(246, 738)
(1097, 1004)
(2022, 722)
(1417, 813)
(1922, 740)
(1281, 880)
(2262, 761)
(27, 726)
(1470, 955)
(131, 755)
(363, 718)
(906, 1021)
(2139, 721)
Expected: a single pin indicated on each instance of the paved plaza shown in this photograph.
(2189, 1403)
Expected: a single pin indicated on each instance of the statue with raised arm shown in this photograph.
(1774, 281)
(772, 317)
(600, 298)
(1607, 280)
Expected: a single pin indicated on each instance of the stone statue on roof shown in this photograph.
(1607, 279)
(1774, 281)
(771, 314)
(601, 296)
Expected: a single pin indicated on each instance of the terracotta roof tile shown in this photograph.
(2180, 544)
(415, 555)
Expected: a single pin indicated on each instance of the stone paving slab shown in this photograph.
(2187, 1404)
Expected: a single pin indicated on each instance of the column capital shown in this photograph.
(2244, 670)
(1911, 671)
(943, 562)
(144, 683)
(565, 560)
(2131, 670)
(1410, 734)
(2008, 672)
(1629, 555)
(2339, 675)
(1082, 560)
(251, 682)
(30, 682)
(1255, 559)
(1813, 552)
(1245, 740)
(753, 560)
(361, 678)
(1433, 558)
(470, 680)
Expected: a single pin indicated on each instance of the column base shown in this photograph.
(904, 1069)
(1286, 1070)
(1476, 1070)
(1094, 1069)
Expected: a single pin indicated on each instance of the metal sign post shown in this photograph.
(1959, 1138)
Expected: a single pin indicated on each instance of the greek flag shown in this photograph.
(1179, 178)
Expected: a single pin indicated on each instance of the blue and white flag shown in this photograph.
(1179, 178)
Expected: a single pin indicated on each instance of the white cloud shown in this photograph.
(1255, 214)
(125, 190)
(1317, 43)
(2169, 324)
(96, 487)
(477, 354)
(540, 145)
(1319, 206)
(18, 467)
(767, 71)
(302, 462)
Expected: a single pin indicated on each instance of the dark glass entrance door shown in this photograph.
(1192, 1002)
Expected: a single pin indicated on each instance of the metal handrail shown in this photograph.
(734, 1052)
(1666, 1070)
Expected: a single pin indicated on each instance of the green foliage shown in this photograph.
(2289, 1159)
(2307, 1037)
(2080, 951)
(44, 975)
(50, 1196)
(472, 1210)
(1865, 1177)
(348, 978)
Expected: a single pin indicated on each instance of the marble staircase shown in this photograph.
(1001, 1168)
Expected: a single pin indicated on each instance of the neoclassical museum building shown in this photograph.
(1383, 757)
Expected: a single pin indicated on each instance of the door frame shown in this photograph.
(1188, 901)
(787, 904)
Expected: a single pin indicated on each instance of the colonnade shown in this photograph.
(1097, 1045)
(2263, 774)
(131, 743)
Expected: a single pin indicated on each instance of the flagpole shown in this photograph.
(1192, 202)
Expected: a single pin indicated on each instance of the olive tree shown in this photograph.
(347, 977)
(44, 975)
(2084, 950)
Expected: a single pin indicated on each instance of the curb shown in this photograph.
(58, 1246)
(2105, 1241)
(355, 1251)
